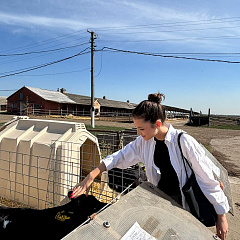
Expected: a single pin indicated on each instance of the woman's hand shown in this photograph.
(222, 226)
(83, 186)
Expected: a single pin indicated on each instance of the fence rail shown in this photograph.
(106, 116)
(103, 116)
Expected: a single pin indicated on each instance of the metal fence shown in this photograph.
(106, 116)
(117, 115)
(39, 182)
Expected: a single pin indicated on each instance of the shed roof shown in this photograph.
(79, 99)
(115, 104)
(50, 95)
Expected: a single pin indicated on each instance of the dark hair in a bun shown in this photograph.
(151, 110)
(156, 97)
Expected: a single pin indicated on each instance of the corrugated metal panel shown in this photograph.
(79, 99)
(115, 104)
(51, 95)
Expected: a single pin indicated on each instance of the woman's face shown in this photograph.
(146, 129)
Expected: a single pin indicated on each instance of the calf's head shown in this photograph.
(86, 203)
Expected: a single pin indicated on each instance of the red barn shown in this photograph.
(29, 100)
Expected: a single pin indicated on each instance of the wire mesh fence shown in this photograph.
(43, 180)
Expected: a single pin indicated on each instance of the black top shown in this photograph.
(169, 181)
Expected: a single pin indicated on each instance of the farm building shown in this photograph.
(28, 99)
(3, 104)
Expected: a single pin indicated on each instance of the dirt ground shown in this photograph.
(224, 145)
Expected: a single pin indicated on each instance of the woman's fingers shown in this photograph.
(80, 188)
(77, 191)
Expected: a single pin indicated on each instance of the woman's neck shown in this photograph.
(162, 132)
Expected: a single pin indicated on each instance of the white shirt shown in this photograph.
(141, 150)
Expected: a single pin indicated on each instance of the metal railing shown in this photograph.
(105, 116)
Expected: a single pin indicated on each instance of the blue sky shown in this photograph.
(46, 31)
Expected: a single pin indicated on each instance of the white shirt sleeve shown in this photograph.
(126, 157)
(201, 166)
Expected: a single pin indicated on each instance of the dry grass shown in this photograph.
(11, 203)
(102, 192)
(99, 190)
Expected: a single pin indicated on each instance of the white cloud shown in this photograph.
(179, 25)
(31, 20)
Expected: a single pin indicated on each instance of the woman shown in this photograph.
(158, 149)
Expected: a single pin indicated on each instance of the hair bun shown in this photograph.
(156, 97)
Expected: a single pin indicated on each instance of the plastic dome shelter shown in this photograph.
(143, 213)
(41, 160)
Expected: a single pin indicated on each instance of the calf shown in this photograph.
(51, 223)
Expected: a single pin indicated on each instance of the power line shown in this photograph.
(44, 51)
(176, 39)
(51, 40)
(168, 56)
(40, 64)
(188, 23)
(8, 90)
(100, 65)
(170, 31)
(183, 23)
(52, 74)
(44, 65)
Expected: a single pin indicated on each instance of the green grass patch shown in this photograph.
(108, 128)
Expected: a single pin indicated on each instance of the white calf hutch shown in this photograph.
(40, 160)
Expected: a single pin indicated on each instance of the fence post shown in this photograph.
(199, 120)
(116, 146)
(190, 116)
(208, 117)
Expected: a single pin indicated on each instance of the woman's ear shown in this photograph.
(159, 123)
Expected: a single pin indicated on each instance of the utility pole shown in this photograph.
(93, 37)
